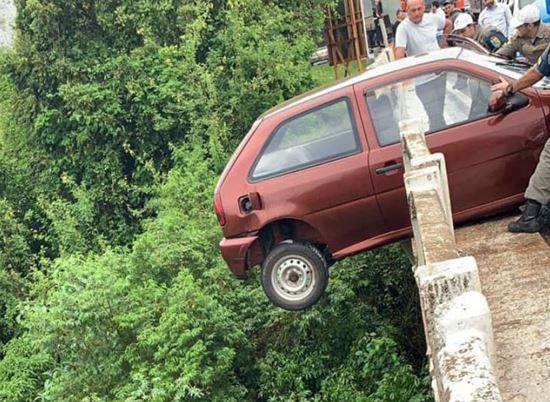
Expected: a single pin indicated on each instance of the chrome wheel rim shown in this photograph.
(293, 278)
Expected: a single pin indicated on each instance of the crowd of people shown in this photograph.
(494, 29)
(525, 37)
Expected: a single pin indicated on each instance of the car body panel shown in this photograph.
(234, 252)
(298, 195)
(345, 204)
(492, 147)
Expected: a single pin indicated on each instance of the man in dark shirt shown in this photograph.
(450, 11)
(537, 196)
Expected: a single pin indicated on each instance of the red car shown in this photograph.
(320, 177)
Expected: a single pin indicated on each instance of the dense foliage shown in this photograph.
(116, 119)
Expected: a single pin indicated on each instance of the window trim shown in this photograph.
(354, 129)
(412, 76)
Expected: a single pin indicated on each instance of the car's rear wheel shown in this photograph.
(294, 275)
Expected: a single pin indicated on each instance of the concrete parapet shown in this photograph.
(465, 350)
(456, 315)
(384, 57)
(432, 226)
(458, 325)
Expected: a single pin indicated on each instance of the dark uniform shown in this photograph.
(539, 184)
(531, 48)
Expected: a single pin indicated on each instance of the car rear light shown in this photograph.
(218, 209)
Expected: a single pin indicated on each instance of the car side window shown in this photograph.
(322, 134)
(440, 100)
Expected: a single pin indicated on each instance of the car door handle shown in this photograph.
(389, 167)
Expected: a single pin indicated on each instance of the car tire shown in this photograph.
(294, 275)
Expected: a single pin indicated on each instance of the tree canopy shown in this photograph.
(116, 119)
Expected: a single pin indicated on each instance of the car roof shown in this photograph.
(407, 62)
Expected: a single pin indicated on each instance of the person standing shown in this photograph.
(450, 10)
(487, 36)
(497, 15)
(418, 34)
(437, 10)
(537, 195)
(399, 16)
(378, 13)
(532, 36)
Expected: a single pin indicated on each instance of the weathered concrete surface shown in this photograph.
(514, 271)
(437, 242)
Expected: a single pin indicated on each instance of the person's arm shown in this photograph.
(400, 42)
(531, 77)
(508, 50)
(448, 27)
(399, 53)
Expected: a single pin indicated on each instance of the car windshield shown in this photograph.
(509, 68)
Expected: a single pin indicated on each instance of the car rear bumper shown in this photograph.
(235, 252)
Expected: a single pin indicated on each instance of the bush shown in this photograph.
(118, 118)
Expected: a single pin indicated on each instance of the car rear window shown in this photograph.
(322, 134)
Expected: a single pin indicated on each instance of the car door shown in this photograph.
(489, 157)
(312, 167)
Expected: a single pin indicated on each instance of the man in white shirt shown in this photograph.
(497, 15)
(418, 34)
(437, 10)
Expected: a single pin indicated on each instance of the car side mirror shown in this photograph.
(515, 102)
(498, 103)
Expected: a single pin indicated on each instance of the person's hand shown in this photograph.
(499, 86)
(497, 101)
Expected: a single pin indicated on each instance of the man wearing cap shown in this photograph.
(497, 15)
(488, 36)
(537, 195)
(532, 36)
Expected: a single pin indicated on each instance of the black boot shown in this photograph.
(531, 220)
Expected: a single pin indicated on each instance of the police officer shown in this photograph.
(487, 36)
(531, 38)
(537, 195)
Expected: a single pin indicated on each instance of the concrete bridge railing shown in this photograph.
(457, 320)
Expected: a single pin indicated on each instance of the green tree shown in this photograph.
(118, 118)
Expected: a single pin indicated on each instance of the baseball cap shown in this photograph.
(462, 21)
(528, 14)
